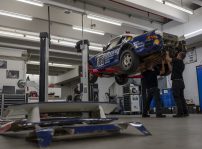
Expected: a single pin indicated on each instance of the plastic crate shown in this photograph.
(166, 98)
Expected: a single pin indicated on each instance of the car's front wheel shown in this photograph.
(121, 79)
(129, 61)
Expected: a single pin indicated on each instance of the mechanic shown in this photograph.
(152, 90)
(176, 66)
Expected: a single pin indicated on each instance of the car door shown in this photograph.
(110, 56)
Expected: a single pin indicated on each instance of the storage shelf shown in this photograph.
(10, 99)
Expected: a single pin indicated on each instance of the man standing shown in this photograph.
(152, 90)
(177, 68)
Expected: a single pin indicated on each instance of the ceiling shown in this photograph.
(127, 10)
(192, 4)
(135, 20)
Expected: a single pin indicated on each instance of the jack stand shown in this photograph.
(34, 117)
(83, 46)
(102, 113)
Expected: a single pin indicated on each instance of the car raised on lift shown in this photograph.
(128, 54)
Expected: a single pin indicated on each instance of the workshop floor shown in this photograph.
(168, 133)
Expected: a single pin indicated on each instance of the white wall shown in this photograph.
(18, 65)
(51, 80)
(68, 89)
(179, 29)
(190, 78)
(34, 77)
(103, 86)
(116, 90)
(12, 65)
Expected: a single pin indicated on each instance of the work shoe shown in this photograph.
(160, 116)
(178, 115)
(145, 115)
(186, 115)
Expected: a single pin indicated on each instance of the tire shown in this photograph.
(129, 61)
(121, 79)
(92, 78)
(21, 84)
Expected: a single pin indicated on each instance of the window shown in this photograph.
(113, 43)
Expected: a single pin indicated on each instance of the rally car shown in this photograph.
(128, 54)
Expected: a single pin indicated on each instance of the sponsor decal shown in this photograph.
(138, 44)
(107, 57)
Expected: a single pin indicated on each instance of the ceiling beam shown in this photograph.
(61, 23)
(129, 22)
(158, 8)
(198, 2)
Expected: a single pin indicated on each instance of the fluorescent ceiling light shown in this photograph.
(54, 41)
(60, 65)
(50, 64)
(192, 34)
(32, 37)
(32, 2)
(26, 35)
(173, 5)
(10, 34)
(96, 44)
(15, 15)
(104, 19)
(66, 43)
(63, 38)
(79, 28)
(33, 62)
(7, 29)
(161, 1)
(94, 48)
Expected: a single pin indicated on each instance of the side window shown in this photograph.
(113, 43)
(121, 40)
(124, 39)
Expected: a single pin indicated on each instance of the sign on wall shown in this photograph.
(191, 56)
(12, 74)
(3, 64)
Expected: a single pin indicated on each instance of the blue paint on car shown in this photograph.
(142, 45)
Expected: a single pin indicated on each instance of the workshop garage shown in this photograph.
(102, 74)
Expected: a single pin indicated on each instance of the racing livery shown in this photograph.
(127, 54)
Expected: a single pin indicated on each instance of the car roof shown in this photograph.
(133, 35)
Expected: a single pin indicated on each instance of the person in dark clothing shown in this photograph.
(152, 91)
(176, 66)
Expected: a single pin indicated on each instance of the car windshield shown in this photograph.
(113, 43)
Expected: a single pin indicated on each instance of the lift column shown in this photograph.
(44, 60)
(83, 46)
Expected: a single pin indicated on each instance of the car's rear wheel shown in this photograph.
(121, 79)
(129, 61)
(92, 78)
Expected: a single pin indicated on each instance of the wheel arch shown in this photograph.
(126, 46)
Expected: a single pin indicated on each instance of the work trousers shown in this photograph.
(152, 93)
(178, 93)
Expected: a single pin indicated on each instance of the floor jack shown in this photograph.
(46, 130)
